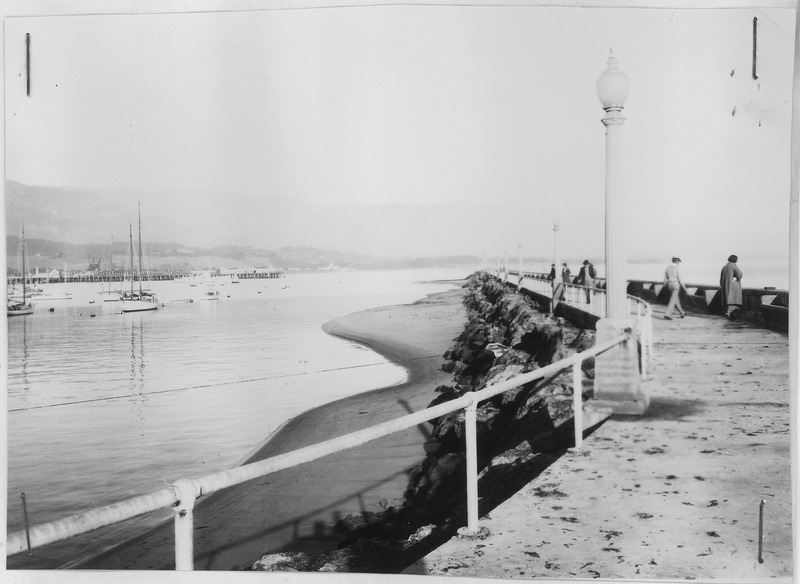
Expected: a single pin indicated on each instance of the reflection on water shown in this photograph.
(137, 368)
(25, 358)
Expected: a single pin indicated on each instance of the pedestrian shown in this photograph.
(730, 284)
(586, 278)
(672, 280)
(566, 275)
(552, 274)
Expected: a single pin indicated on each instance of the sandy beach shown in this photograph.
(297, 508)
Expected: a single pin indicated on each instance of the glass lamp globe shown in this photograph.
(612, 85)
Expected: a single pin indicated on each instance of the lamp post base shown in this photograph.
(617, 383)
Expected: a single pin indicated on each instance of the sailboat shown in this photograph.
(23, 307)
(138, 300)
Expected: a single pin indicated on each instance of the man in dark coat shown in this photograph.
(730, 283)
(586, 278)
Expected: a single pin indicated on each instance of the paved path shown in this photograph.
(673, 494)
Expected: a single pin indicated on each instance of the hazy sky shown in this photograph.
(423, 104)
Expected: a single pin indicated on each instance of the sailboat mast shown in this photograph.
(140, 250)
(110, 263)
(24, 267)
(130, 231)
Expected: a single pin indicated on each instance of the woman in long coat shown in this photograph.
(730, 282)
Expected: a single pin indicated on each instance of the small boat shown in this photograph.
(138, 300)
(14, 308)
(208, 284)
(51, 295)
(20, 307)
(210, 295)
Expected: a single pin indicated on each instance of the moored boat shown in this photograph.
(138, 300)
(14, 308)
(21, 307)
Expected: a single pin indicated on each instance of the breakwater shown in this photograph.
(520, 433)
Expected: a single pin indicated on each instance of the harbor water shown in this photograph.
(104, 405)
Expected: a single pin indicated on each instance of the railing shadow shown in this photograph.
(423, 428)
(498, 483)
(256, 535)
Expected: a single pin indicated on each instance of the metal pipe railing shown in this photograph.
(584, 296)
(471, 439)
(183, 494)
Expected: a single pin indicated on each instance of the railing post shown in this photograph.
(643, 352)
(471, 421)
(577, 403)
(187, 491)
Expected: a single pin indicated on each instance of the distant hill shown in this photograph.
(75, 227)
(216, 219)
(44, 254)
(195, 219)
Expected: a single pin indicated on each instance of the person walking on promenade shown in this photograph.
(586, 278)
(552, 274)
(730, 283)
(566, 275)
(672, 280)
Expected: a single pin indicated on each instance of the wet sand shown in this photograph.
(297, 508)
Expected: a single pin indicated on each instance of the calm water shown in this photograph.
(103, 405)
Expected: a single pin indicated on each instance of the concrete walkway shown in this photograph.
(673, 494)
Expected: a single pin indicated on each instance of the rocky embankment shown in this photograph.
(519, 434)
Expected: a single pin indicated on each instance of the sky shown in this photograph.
(493, 106)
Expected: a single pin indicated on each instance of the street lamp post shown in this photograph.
(612, 89)
(556, 262)
(617, 387)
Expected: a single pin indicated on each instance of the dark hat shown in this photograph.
(564, 264)
(675, 259)
(585, 262)
(733, 259)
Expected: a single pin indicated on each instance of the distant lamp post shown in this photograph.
(556, 283)
(556, 259)
(612, 89)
